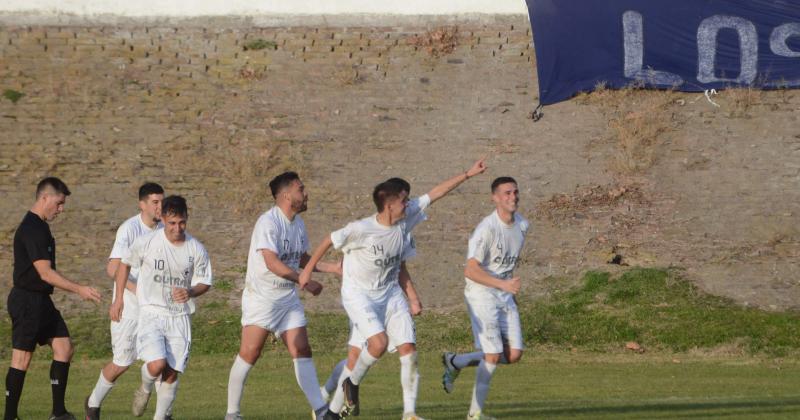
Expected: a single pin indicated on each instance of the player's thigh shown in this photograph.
(178, 335)
(485, 320)
(123, 341)
(401, 330)
(150, 338)
(296, 341)
(511, 329)
(253, 338)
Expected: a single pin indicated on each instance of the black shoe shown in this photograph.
(92, 413)
(351, 407)
(66, 416)
(330, 415)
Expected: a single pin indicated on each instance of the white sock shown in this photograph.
(364, 362)
(100, 391)
(236, 381)
(483, 377)
(333, 380)
(460, 361)
(169, 410)
(409, 378)
(166, 396)
(337, 402)
(306, 374)
(147, 379)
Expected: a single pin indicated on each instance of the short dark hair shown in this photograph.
(52, 182)
(174, 205)
(384, 191)
(282, 181)
(402, 183)
(149, 188)
(502, 180)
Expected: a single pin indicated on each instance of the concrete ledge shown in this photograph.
(274, 20)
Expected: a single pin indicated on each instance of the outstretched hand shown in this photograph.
(477, 168)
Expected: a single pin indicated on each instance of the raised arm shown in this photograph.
(476, 273)
(445, 187)
(55, 279)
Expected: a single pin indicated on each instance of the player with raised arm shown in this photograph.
(414, 214)
(494, 251)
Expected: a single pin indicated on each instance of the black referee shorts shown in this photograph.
(34, 319)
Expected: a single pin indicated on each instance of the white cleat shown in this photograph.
(479, 416)
(233, 416)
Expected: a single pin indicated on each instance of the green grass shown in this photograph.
(260, 44)
(13, 95)
(542, 385)
(661, 311)
(707, 357)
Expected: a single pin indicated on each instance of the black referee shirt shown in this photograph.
(32, 242)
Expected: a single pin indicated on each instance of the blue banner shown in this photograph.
(689, 45)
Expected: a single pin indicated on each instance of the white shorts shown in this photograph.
(276, 316)
(123, 333)
(494, 322)
(164, 337)
(370, 316)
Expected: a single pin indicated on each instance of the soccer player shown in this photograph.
(34, 318)
(494, 250)
(374, 281)
(174, 268)
(270, 302)
(414, 214)
(123, 332)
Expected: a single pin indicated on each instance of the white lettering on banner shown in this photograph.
(633, 29)
(707, 32)
(777, 41)
(707, 48)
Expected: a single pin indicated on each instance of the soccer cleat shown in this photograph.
(450, 372)
(351, 407)
(168, 417)
(479, 416)
(92, 413)
(233, 416)
(411, 416)
(66, 416)
(140, 399)
(330, 415)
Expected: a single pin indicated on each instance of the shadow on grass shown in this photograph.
(787, 407)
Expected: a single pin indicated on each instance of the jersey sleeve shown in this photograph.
(267, 235)
(122, 243)
(415, 211)
(135, 253)
(480, 245)
(345, 235)
(36, 244)
(202, 267)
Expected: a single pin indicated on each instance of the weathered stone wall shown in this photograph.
(106, 108)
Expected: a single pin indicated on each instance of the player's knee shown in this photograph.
(250, 353)
(156, 367)
(63, 350)
(514, 356)
(493, 358)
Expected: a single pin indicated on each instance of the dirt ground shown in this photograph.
(639, 178)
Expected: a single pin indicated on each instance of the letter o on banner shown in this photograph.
(707, 48)
(779, 36)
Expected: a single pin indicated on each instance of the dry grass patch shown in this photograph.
(438, 42)
(738, 102)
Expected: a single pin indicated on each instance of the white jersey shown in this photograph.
(415, 211)
(288, 239)
(372, 253)
(163, 266)
(497, 247)
(128, 231)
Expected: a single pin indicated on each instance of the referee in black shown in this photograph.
(34, 318)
